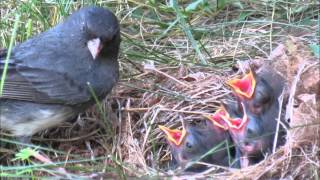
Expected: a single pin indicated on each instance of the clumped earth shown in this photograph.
(163, 82)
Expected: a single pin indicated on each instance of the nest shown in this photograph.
(167, 95)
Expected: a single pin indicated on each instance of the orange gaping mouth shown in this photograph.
(217, 119)
(244, 86)
(174, 135)
(236, 123)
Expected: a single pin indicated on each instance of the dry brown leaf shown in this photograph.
(310, 81)
(305, 122)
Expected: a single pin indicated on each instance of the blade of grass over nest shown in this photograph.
(158, 56)
(155, 92)
(271, 25)
(12, 40)
(51, 168)
(202, 45)
(17, 176)
(165, 92)
(37, 166)
(29, 28)
(33, 9)
(120, 167)
(165, 32)
(37, 147)
(238, 41)
(216, 148)
(64, 7)
(100, 109)
(228, 151)
(258, 22)
(187, 31)
(96, 100)
(142, 57)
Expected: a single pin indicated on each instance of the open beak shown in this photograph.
(244, 86)
(236, 123)
(217, 119)
(174, 135)
(94, 46)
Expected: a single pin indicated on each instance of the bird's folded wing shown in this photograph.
(41, 85)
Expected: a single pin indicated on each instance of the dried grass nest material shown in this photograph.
(165, 95)
(188, 93)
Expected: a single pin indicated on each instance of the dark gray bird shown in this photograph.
(194, 143)
(259, 113)
(51, 76)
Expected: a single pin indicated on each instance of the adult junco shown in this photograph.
(52, 77)
(257, 109)
(194, 143)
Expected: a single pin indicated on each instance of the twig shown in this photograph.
(275, 141)
(149, 128)
(238, 41)
(68, 140)
(168, 76)
(45, 159)
(165, 109)
(289, 111)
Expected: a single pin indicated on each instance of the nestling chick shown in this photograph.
(193, 142)
(258, 108)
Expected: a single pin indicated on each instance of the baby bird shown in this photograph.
(209, 144)
(258, 109)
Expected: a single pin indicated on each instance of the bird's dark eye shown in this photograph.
(257, 108)
(188, 145)
(265, 99)
(114, 37)
(107, 39)
(250, 131)
(257, 105)
(197, 121)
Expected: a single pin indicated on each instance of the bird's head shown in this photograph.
(254, 91)
(99, 30)
(182, 144)
(245, 128)
(191, 145)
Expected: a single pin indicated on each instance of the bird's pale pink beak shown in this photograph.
(244, 86)
(174, 135)
(94, 46)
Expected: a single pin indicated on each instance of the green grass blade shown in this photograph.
(5, 69)
(188, 32)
